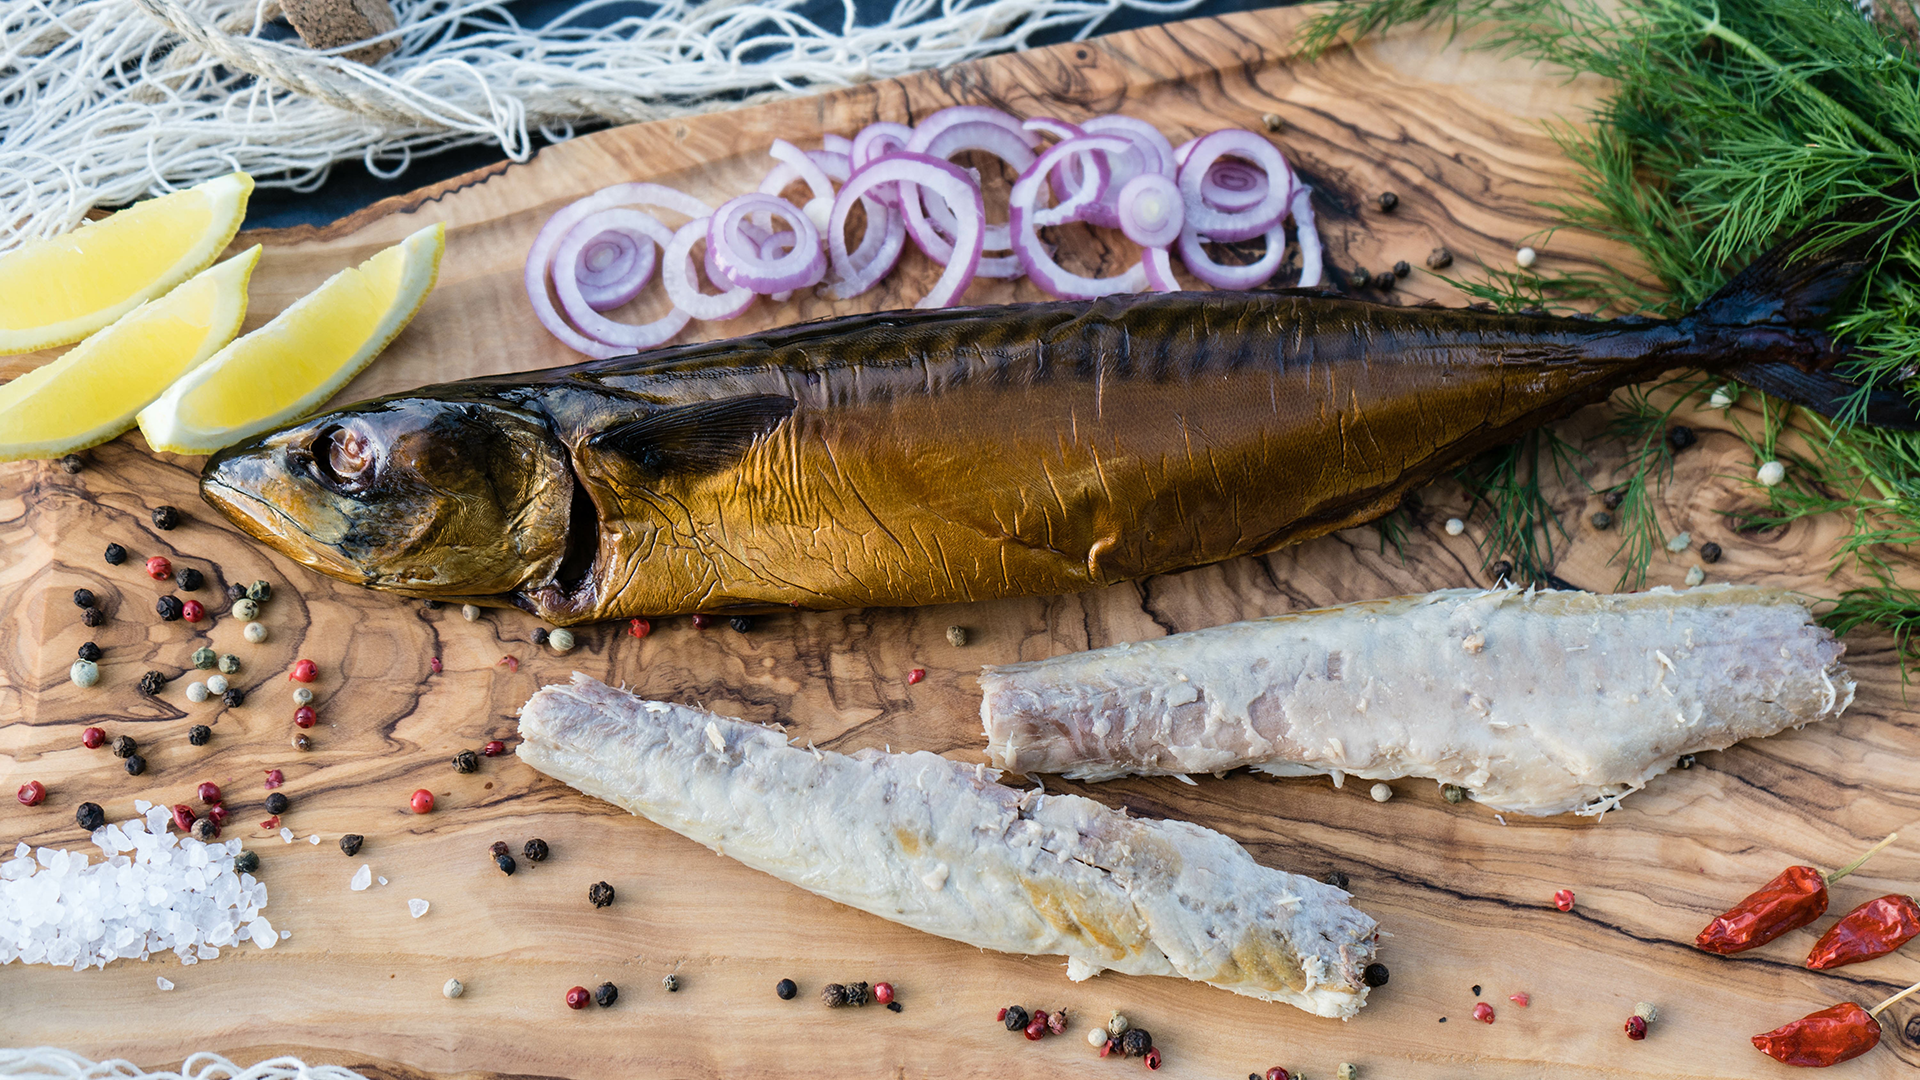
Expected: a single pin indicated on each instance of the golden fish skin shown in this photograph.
(907, 458)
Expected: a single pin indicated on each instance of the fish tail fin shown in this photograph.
(1776, 308)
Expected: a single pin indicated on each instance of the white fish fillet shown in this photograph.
(939, 846)
(1536, 702)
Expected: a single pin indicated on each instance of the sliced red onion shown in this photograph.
(836, 165)
(1011, 145)
(880, 245)
(1148, 151)
(931, 128)
(1092, 185)
(772, 248)
(1181, 153)
(676, 273)
(540, 255)
(612, 267)
(876, 140)
(1060, 130)
(837, 144)
(821, 204)
(1033, 255)
(1233, 185)
(1156, 153)
(1257, 273)
(567, 258)
(1158, 266)
(940, 177)
(1151, 211)
(738, 256)
(1308, 235)
(1245, 224)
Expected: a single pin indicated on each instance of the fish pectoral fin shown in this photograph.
(703, 437)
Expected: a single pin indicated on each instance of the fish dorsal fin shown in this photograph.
(703, 437)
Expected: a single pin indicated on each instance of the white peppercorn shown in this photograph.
(469, 612)
(302, 696)
(229, 664)
(1381, 792)
(1526, 257)
(454, 988)
(255, 633)
(217, 684)
(1455, 526)
(84, 673)
(197, 692)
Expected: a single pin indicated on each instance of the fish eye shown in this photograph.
(346, 458)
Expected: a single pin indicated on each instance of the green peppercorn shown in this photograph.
(199, 735)
(245, 609)
(246, 863)
(84, 673)
(89, 816)
(560, 641)
(670, 982)
(259, 592)
(1602, 520)
(229, 664)
(1453, 793)
(302, 696)
(204, 658)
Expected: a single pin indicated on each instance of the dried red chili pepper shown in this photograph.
(1875, 928)
(1790, 901)
(1828, 1037)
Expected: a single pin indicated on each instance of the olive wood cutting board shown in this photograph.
(1466, 896)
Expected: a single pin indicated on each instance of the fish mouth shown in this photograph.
(266, 522)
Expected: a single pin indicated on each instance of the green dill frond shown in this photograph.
(1508, 481)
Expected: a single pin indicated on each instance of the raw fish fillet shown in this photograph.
(939, 846)
(1536, 702)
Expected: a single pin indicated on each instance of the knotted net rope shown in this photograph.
(50, 1063)
(104, 101)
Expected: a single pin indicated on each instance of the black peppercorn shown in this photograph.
(893, 1006)
(350, 844)
(152, 683)
(539, 637)
(466, 761)
(259, 592)
(169, 608)
(1359, 279)
(1388, 200)
(189, 579)
(302, 743)
(89, 816)
(1375, 975)
(1401, 269)
(89, 651)
(1710, 552)
(1383, 281)
(1500, 571)
(834, 995)
(93, 616)
(83, 598)
(1136, 1042)
(199, 734)
(277, 803)
(1016, 1018)
(165, 517)
(431, 604)
(505, 862)
(1439, 259)
(1336, 878)
(1685, 762)
(535, 850)
(600, 894)
(234, 697)
(1602, 520)
(741, 623)
(136, 764)
(498, 849)
(1681, 437)
(1612, 499)
(246, 863)
(606, 994)
(72, 463)
(124, 746)
(236, 591)
(670, 982)
(785, 989)
(859, 993)
(204, 830)
(115, 555)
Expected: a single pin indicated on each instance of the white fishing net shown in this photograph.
(51, 1063)
(104, 101)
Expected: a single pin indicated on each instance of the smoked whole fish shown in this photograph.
(928, 457)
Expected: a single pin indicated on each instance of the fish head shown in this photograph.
(461, 497)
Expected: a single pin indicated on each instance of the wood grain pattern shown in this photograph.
(1466, 896)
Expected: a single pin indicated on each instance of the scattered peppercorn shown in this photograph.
(1439, 259)
(1636, 1028)
(833, 995)
(234, 697)
(32, 793)
(498, 848)
(350, 844)
(916, 675)
(304, 671)
(236, 591)
(956, 636)
(1500, 571)
(641, 627)
(136, 765)
(453, 988)
(1136, 1042)
(600, 894)
(1686, 762)
(1152, 1057)
(1483, 1012)
(254, 632)
(431, 604)
(606, 994)
(90, 651)
(165, 518)
(1056, 1020)
(785, 989)
(670, 982)
(434, 665)
(301, 742)
(1388, 200)
(93, 738)
(1680, 437)
(421, 802)
(741, 623)
(72, 463)
(535, 850)
(1336, 878)
(277, 803)
(511, 663)
(1612, 499)
(259, 592)
(1476, 990)
(169, 608)
(561, 640)
(217, 813)
(189, 579)
(246, 862)
(1273, 122)
(702, 620)
(494, 748)
(158, 568)
(1401, 269)
(124, 746)
(578, 997)
(1375, 975)
(302, 696)
(115, 555)
(274, 779)
(93, 616)
(89, 816)
(1453, 793)
(465, 761)
(1602, 520)
(1275, 1073)
(1359, 279)
(883, 993)
(1015, 1018)
(539, 637)
(209, 792)
(505, 862)
(193, 611)
(1384, 281)
(206, 830)
(893, 1006)
(83, 598)
(1563, 899)
(1037, 1029)
(858, 994)
(244, 608)
(204, 658)
(1710, 552)
(1522, 999)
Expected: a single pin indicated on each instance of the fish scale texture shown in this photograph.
(941, 847)
(1536, 702)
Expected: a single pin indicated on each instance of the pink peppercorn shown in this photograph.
(32, 793)
(209, 792)
(1106, 1048)
(1278, 1073)
(422, 803)
(494, 748)
(193, 611)
(1153, 1058)
(1036, 1030)
(436, 666)
(701, 622)
(1483, 1012)
(304, 716)
(304, 671)
(1521, 1000)
(271, 823)
(1636, 1028)
(275, 778)
(578, 997)
(883, 993)
(916, 675)
(641, 627)
(93, 738)
(183, 816)
(1057, 1021)
(159, 569)
(1563, 899)
(218, 813)
(511, 663)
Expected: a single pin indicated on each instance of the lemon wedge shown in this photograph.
(291, 366)
(57, 291)
(91, 394)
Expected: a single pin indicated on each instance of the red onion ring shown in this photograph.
(876, 140)
(676, 273)
(1011, 146)
(618, 278)
(942, 178)
(1220, 276)
(739, 256)
(880, 245)
(772, 248)
(810, 171)
(837, 144)
(1034, 257)
(1246, 224)
(1308, 234)
(1232, 185)
(1151, 211)
(540, 255)
(1159, 270)
(576, 305)
(1156, 152)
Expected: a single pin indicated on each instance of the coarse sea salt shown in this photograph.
(417, 907)
(154, 893)
(286, 834)
(362, 877)
(314, 839)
